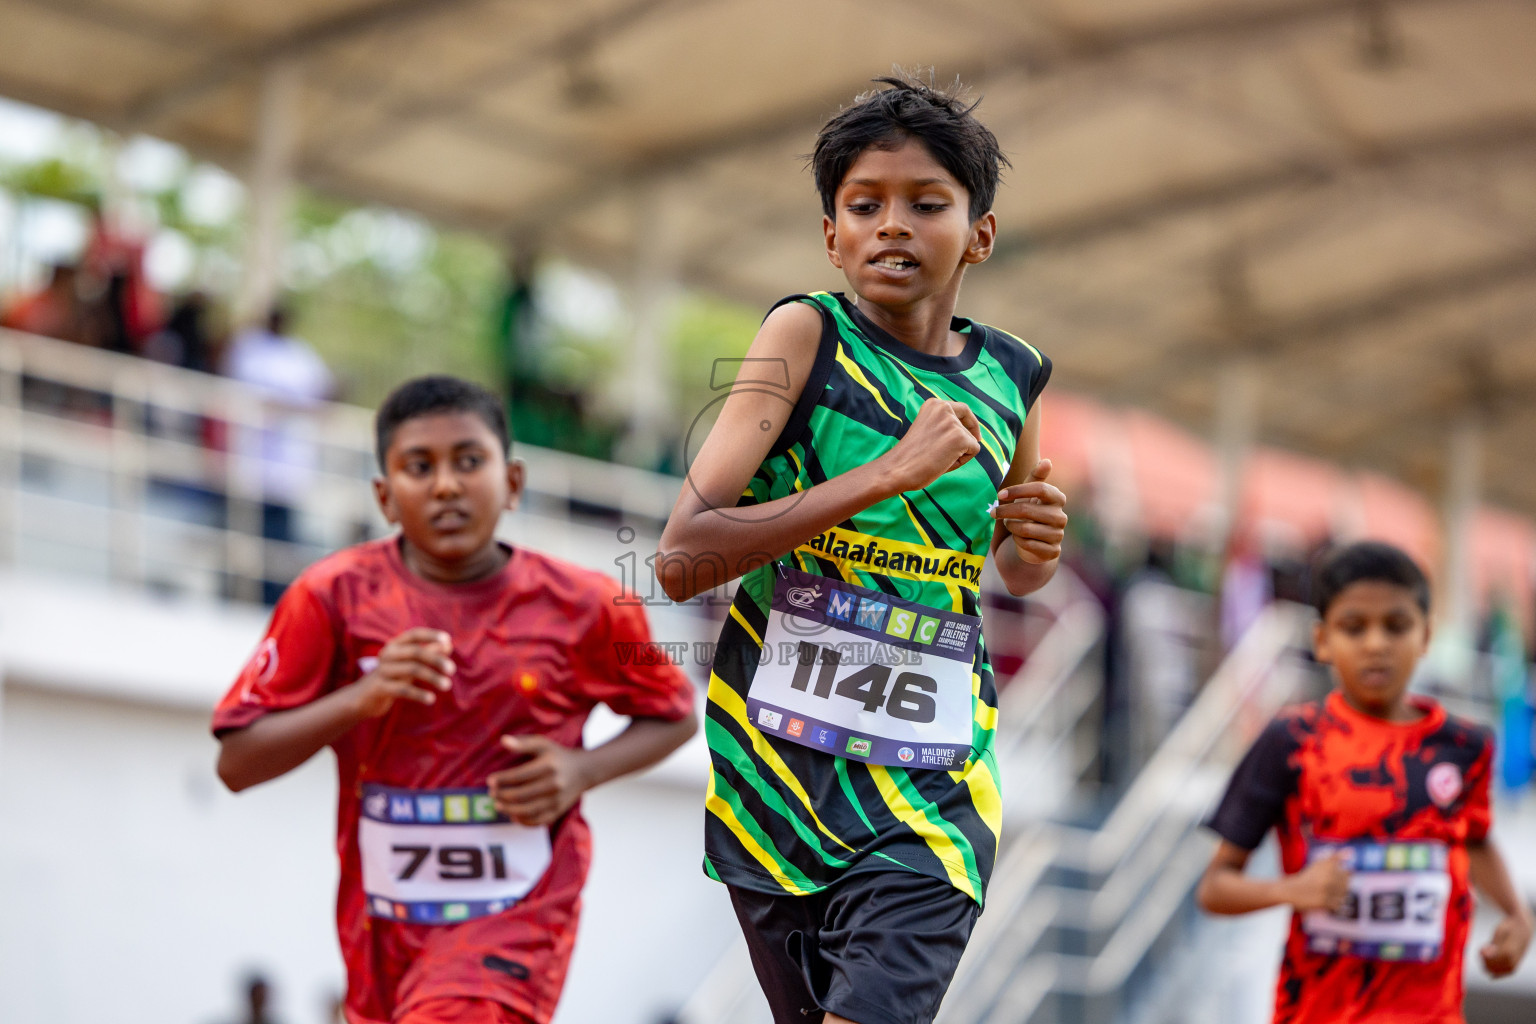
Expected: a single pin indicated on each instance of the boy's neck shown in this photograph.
(1399, 712)
(486, 562)
(923, 326)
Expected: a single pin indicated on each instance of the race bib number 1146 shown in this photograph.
(868, 676)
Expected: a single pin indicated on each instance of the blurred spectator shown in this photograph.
(105, 320)
(294, 380)
(58, 311)
(1510, 679)
(257, 996)
(52, 311)
(127, 309)
(183, 341)
(284, 366)
(1245, 587)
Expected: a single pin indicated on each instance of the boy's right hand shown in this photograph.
(943, 436)
(413, 666)
(1321, 885)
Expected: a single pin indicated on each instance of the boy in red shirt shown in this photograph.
(452, 674)
(1380, 803)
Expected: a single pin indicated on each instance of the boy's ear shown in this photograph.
(829, 229)
(983, 237)
(386, 499)
(1320, 644)
(517, 475)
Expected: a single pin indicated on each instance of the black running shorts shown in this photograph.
(876, 948)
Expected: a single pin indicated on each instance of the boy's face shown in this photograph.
(1373, 635)
(446, 481)
(902, 230)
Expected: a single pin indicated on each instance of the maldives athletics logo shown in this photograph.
(1444, 783)
(905, 754)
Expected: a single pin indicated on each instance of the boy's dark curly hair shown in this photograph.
(940, 119)
(435, 395)
(1367, 562)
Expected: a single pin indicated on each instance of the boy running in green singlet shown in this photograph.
(850, 482)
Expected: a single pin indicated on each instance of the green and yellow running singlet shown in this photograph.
(837, 715)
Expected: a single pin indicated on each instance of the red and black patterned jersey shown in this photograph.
(1409, 796)
(535, 648)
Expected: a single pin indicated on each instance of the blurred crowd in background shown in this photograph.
(104, 301)
(1174, 607)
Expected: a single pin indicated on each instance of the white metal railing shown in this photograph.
(1140, 865)
(152, 475)
(1047, 741)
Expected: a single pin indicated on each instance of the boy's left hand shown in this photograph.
(542, 788)
(1506, 948)
(1034, 514)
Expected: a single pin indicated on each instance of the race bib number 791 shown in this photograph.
(441, 856)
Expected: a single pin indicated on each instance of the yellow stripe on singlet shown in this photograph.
(725, 813)
(938, 841)
(857, 373)
(746, 626)
(799, 469)
(729, 701)
(986, 794)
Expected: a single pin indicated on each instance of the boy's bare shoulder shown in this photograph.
(784, 351)
(794, 327)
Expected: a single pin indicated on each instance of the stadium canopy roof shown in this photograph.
(1339, 195)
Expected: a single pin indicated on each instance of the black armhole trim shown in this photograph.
(1042, 377)
(815, 384)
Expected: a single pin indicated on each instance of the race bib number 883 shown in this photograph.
(1395, 910)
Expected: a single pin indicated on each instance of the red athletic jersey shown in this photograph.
(535, 647)
(1322, 774)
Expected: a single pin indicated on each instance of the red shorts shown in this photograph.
(513, 962)
(494, 970)
(465, 1010)
(459, 1011)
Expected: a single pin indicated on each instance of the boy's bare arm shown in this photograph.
(411, 667)
(1225, 889)
(1504, 951)
(709, 541)
(1030, 512)
(553, 778)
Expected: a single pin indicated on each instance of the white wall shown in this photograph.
(132, 886)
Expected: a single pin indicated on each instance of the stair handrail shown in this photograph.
(981, 991)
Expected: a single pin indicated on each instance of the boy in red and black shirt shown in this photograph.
(1380, 803)
(452, 675)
